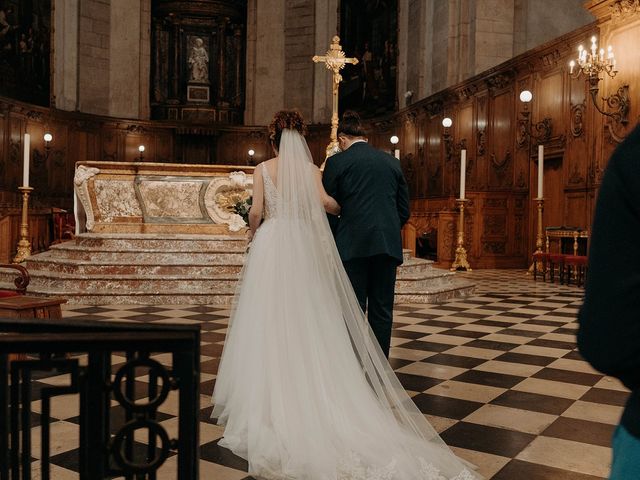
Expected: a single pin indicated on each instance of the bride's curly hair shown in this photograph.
(285, 119)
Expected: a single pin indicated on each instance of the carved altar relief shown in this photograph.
(162, 198)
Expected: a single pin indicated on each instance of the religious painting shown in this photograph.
(368, 31)
(25, 45)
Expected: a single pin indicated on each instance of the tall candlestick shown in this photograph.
(463, 172)
(396, 153)
(25, 162)
(540, 170)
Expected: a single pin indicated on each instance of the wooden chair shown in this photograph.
(577, 263)
(556, 259)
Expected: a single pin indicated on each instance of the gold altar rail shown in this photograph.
(137, 197)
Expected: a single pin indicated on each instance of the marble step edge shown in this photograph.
(139, 298)
(418, 289)
(155, 236)
(432, 298)
(62, 247)
(115, 263)
(62, 276)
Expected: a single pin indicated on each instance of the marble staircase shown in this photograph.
(101, 269)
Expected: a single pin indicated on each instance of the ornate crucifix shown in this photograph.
(335, 60)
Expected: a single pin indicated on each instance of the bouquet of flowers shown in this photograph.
(242, 207)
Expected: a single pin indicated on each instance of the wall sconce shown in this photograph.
(48, 138)
(251, 153)
(394, 141)
(541, 131)
(592, 64)
(451, 148)
(141, 150)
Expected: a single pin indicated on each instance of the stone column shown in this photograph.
(94, 56)
(129, 59)
(326, 21)
(65, 52)
(266, 81)
(403, 47)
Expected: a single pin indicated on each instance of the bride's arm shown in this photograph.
(329, 203)
(257, 202)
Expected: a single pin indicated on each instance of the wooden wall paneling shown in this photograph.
(479, 172)
(16, 147)
(466, 134)
(434, 159)
(575, 207)
(500, 157)
(4, 138)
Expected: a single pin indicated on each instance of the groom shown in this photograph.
(372, 192)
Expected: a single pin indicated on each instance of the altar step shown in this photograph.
(101, 269)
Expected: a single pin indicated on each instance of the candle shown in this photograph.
(463, 172)
(540, 169)
(396, 153)
(25, 163)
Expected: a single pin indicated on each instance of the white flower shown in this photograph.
(236, 223)
(238, 179)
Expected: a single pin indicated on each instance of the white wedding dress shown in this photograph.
(303, 387)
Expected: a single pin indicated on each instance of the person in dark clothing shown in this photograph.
(369, 186)
(609, 331)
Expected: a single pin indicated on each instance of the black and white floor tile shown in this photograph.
(497, 374)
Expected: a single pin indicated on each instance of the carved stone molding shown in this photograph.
(623, 9)
(80, 180)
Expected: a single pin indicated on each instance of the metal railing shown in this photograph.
(83, 351)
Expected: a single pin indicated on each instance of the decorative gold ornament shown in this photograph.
(24, 245)
(335, 60)
(461, 262)
(539, 237)
(228, 199)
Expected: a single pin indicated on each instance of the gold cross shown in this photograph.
(335, 60)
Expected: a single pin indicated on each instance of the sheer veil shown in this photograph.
(301, 211)
(289, 389)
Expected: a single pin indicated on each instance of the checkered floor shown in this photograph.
(497, 374)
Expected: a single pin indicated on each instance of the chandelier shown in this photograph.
(594, 63)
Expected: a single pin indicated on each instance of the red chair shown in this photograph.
(21, 282)
(542, 259)
(579, 265)
(556, 259)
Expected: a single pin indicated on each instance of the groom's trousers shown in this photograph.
(374, 280)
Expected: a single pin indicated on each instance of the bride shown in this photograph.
(303, 387)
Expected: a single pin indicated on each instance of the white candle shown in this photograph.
(396, 153)
(25, 162)
(463, 172)
(540, 169)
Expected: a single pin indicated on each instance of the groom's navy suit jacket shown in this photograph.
(372, 192)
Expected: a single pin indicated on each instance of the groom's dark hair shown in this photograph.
(351, 125)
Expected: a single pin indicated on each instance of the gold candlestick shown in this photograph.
(460, 262)
(24, 245)
(539, 236)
